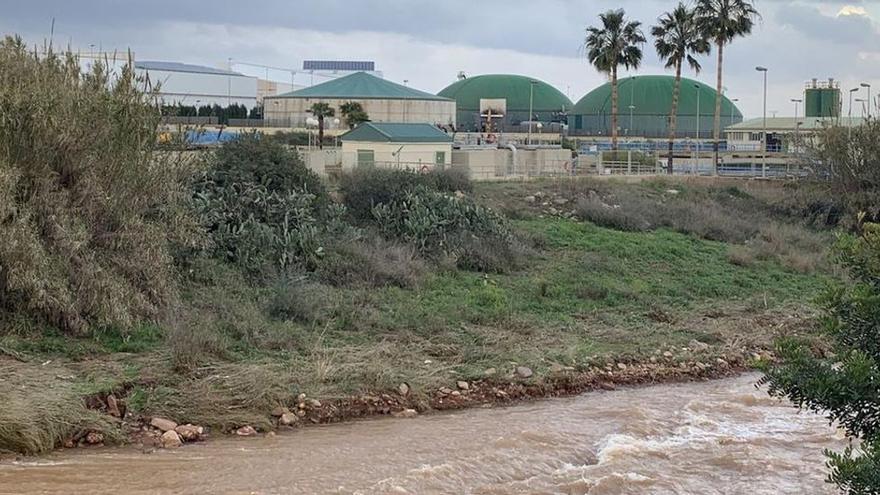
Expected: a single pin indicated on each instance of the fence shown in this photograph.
(196, 121)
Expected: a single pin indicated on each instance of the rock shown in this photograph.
(560, 201)
(667, 354)
(113, 407)
(607, 386)
(490, 372)
(246, 431)
(455, 393)
(553, 211)
(721, 362)
(463, 385)
(524, 372)
(698, 346)
(69, 443)
(189, 433)
(556, 368)
(653, 359)
(301, 397)
(163, 424)
(170, 439)
(501, 394)
(672, 191)
(300, 412)
(270, 434)
(314, 403)
(445, 390)
(459, 194)
(288, 419)
(279, 411)
(530, 199)
(94, 438)
(406, 413)
(403, 388)
(621, 366)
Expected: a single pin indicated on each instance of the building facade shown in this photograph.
(196, 85)
(409, 146)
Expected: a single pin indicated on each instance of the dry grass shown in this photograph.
(42, 407)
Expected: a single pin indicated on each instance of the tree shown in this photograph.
(722, 21)
(353, 113)
(321, 111)
(845, 384)
(613, 44)
(677, 39)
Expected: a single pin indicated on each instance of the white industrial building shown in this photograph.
(396, 145)
(784, 134)
(197, 85)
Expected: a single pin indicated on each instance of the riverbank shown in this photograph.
(622, 284)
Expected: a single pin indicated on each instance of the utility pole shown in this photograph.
(764, 131)
(531, 105)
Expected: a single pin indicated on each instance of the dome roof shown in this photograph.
(652, 95)
(515, 89)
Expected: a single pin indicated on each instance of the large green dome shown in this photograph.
(651, 101)
(548, 103)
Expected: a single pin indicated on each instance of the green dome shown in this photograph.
(515, 89)
(652, 95)
(651, 101)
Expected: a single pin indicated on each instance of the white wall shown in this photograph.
(191, 88)
(292, 112)
(413, 156)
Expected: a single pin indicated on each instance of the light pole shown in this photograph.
(764, 126)
(797, 124)
(849, 127)
(697, 159)
(868, 87)
(229, 83)
(862, 101)
(732, 101)
(632, 91)
(531, 102)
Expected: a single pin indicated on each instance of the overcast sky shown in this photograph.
(428, 42)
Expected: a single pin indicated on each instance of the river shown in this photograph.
(717, 437)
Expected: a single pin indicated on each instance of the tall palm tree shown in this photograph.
(677, 39)
(722, 21)
(321, 111)
(617, 42)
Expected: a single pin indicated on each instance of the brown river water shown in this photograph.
(717, 437)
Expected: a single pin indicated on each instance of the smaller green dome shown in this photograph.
(515, 89)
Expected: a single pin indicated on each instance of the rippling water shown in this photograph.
(719, 437)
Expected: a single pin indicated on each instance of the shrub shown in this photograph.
(299, 300)
(845, 385)
(441, 224)
(264, 210)
(371, 262)
(365, 188)
(88, 213)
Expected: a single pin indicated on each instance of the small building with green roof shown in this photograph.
(509, 96)
(382, 100)
(643, 106)
(414, 146)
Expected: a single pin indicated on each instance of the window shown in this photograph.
(440, 157)
(365, 158)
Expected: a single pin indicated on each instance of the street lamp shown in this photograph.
(868, 87)
(764, 130)
(862, 101)
(732, 101)
(849, 128)
(697, 159)
(632, 90)
(797, 124)
(531, 107)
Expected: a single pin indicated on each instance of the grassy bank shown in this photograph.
(655, 282)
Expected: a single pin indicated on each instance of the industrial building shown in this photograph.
(643, 107)
(396, 145)
(197, 85)
(784, 134)
(382, 100)
(499, 102)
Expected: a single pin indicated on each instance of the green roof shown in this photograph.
(515, 89)
(360, 85)
(652, 95)
(396, 133)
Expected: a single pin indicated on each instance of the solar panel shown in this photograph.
(346, 65)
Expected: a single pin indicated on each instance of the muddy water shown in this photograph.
(720, 437)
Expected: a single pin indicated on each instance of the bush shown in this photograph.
(297, 299)
(845, 385)
(850, 159)
(88, 213)
(371, 262)
(365, 188)
(264, 210)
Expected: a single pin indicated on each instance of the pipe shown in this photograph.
(512, 148)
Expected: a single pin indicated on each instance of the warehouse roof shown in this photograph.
(361, 85)
(179, 67)
(783, 124)
(652, 95)
(515, 89)
(396, 133)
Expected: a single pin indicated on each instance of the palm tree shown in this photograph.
(677, 39)
(321, 110)
(722, 21)
(614, 44)
(353, 113)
